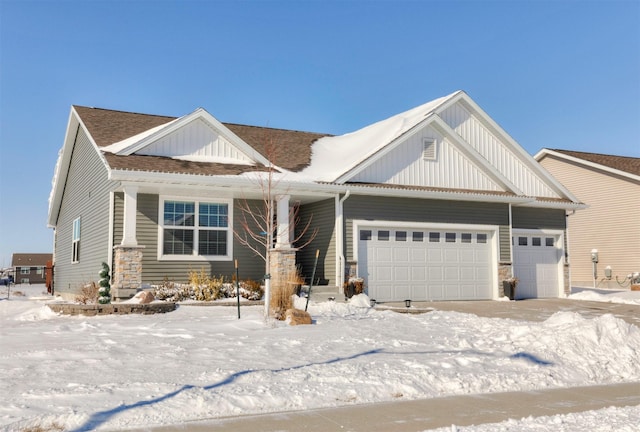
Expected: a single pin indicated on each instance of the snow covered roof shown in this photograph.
(333, 156)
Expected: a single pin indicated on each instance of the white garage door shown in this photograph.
(537, 264)
(425, 264)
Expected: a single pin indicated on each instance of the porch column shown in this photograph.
(282, 233)
(129, 217)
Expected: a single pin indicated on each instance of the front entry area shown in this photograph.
(537, 263)
(424, 263)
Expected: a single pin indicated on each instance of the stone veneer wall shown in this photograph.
(127, 271)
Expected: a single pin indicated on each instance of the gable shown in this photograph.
(196, 141)
(445, 166)
(506, 156)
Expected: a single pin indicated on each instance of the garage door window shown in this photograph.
(418, 236)
(549, 241)
(365, 235)
(434, 237)
(450, 237)
(536, 241)
(465, 238)
(383, 235)
(481, 238)
(522, 241)
(401, 236)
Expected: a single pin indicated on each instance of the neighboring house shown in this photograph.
(610, 186)
(30, 268)
(422, 205)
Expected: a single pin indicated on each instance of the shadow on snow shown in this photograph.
(101, 417)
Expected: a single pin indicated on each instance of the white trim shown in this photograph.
(110, 234)
(194, 257)
(493, 240)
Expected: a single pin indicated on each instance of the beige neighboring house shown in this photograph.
(610, 186)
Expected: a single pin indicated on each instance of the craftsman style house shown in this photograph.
(436, 203)
(610, 226)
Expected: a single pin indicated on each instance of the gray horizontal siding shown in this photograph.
(154, 271)
(322, 215)
(86, 195)
(538, 218)
(427, 211)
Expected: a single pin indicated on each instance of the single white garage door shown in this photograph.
(537, 263)
(425, 264)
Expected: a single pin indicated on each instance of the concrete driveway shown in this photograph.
(525, 310)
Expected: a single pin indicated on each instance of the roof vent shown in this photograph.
(428, 149)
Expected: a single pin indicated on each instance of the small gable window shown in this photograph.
(428, 149)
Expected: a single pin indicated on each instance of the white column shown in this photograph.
(282, 234)
(129, 217)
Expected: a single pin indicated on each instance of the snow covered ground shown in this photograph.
(120, 372)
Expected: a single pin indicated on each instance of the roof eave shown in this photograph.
(544, 152)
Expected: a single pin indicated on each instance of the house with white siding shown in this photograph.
(610, 226)
(435, 203)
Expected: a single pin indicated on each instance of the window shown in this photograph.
(40, 270)
(481, 238)
(522, 241)
(195, 229)
(401, 236)
(465, 238)
(549, 241)
(75, 241)
(450, 237)
(365, 235)
(428, 149)
(25, 270)
(383, 235)
(418, 236)
(536, 241)
(434, 237)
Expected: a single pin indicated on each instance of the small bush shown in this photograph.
(89, 294)
(202, 287)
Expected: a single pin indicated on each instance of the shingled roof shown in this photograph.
(627, 164)
(30, 259)
(291, 149)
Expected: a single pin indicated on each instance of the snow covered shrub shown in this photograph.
(171, 291)
(88, 294)
(105, 287)
(282, 291)
(205, 287)
(249, 289)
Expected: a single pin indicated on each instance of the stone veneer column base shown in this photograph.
(282, 262)
(127, 271)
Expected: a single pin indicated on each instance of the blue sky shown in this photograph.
(562, 74)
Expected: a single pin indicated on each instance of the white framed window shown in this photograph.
(40, 270)
(191, 229)
(428, 149)
(25, 270)
(75, 241)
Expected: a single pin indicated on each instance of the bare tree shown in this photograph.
(257, 220)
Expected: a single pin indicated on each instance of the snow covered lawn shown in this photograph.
(121, 372)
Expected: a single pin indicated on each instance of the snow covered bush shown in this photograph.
(206, 288)
(104, 291)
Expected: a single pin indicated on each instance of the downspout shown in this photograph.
(567, 250)
(511, 243)
(340, 239)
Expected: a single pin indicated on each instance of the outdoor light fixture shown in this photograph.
(407, 303)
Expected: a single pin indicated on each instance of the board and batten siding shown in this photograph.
(86, 196)
(497, 153)
(322, 214)
(406, 165)
(427, 211)
(155, 272)
(195, 139)
(611, 223)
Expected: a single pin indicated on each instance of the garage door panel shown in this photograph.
(536, 264)
(430, 268)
